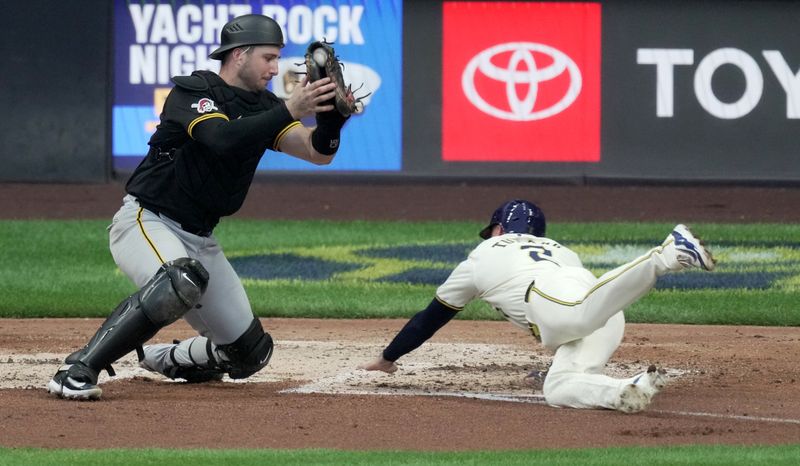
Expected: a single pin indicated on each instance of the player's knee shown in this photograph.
(174, 290)
(250, 352)
(585, 328)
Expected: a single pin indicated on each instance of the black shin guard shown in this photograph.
(126, 329)
(174, 289)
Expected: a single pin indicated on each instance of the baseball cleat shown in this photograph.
(691, 250)
(535, 379)
(74, 384)
(637, 395)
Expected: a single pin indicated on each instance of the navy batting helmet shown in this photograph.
(517, 216)
(248, 30)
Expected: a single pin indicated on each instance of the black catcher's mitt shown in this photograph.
(321, 62)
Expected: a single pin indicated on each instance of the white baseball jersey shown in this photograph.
(500, 270)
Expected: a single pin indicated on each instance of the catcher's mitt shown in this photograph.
(321, 62)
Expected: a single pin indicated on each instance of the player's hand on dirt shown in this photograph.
(535, 379)
(311, 98)
(380, 364)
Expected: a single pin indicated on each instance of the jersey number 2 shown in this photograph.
(538, 252)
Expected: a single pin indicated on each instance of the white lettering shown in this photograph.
(188, 24)
(201, 60)
(181, 60)
(141, 15)
(162, 64)
(188, 31)
(665, 61)
(214, 18)
(789, 81)
(322, 16)
(278, 13)
(141, 69)
(754, 83)
(300, 24)
(349, 29)
(155, 64)
(163, 26)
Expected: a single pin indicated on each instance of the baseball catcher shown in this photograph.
(214, 130)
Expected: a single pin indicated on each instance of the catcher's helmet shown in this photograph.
(248, 30)
(517, 216)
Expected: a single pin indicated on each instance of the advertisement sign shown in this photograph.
(521, 82)
(154, 41)
(686, 103)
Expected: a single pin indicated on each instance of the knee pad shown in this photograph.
(173, 291)
(250, 352)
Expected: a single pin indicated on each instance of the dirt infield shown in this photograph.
(738, 385)
(729, 385)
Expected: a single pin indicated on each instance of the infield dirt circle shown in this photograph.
(463, 390)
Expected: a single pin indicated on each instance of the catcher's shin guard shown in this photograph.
(174, 289)
(250, 352)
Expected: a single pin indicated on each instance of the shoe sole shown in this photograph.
(59, 390)
(707, 261)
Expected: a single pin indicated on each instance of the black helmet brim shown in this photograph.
(486, 233)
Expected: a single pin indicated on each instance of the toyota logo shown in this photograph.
(521, 52)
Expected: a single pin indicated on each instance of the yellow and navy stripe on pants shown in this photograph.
(147, 238)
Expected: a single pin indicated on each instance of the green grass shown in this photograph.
(688, 455)
(64, 269)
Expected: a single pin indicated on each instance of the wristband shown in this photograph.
(325, 138)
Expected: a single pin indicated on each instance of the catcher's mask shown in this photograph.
(248, 30)
(517, 216)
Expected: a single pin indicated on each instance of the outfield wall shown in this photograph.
(578, 91)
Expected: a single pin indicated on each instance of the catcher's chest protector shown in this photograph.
(220, 184)
(236, 103)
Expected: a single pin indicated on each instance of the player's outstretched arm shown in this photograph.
(416, 332)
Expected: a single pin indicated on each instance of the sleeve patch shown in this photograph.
(204, 105)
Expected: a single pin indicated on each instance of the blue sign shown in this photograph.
(154, 41)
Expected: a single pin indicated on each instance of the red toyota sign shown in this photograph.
(521, 82)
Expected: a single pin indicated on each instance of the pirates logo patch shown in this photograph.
(204, 105)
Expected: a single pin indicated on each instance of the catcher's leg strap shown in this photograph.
(194, 360)
(174, 289)
(249, 353)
